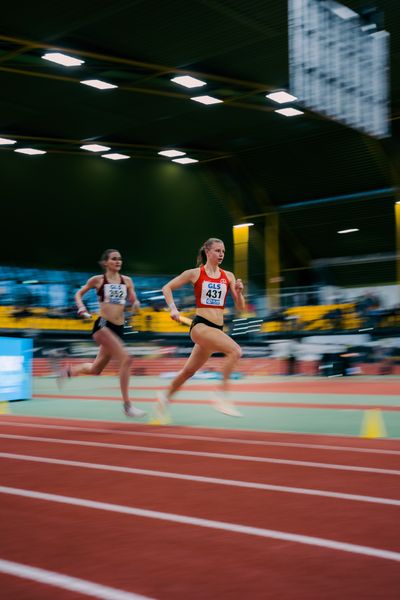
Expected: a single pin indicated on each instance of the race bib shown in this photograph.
(213, 294)
(115, 293)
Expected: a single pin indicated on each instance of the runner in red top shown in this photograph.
(210, 292)
(211, 285)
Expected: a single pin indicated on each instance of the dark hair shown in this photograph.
(202, 256)
(105, 256)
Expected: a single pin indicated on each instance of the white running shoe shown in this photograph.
(162, 409)
(62, 375)
(224, 406)
(134, 411)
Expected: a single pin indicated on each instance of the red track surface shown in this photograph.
(169, 560)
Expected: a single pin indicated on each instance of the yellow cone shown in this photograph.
(373, 425)
(4, 408)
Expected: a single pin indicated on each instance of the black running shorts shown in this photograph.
(101, 322)
(199, 319)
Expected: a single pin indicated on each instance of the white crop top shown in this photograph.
(113, 293)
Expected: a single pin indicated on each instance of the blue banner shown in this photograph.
(15, 368)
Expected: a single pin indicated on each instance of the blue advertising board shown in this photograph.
(15, 368)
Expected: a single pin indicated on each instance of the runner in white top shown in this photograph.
(114, 291)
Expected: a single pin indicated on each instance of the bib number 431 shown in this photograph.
(213, 294)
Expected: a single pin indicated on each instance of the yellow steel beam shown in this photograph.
(241, 252)
(272, 260)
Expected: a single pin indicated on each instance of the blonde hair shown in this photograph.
(202, 256)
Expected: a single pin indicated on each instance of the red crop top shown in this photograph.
(211, 292)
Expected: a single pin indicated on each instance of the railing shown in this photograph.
(302, 319)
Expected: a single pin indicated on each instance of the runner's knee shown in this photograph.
(235, 353)
(125, 360)
(96, 370)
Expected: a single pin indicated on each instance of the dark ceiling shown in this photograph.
(240, 48)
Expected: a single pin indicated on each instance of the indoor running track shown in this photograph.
(124, 511)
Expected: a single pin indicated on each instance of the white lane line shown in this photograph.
(203, 479)
(239, 457)
(206, 438)
(207, 523)
(74, 584)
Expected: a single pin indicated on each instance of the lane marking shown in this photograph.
(66, 582)
(202, 479)
(239, 457)
(207, 523)
(243, 403)
(206, 438)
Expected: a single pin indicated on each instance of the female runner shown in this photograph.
(211, 285)
(113, 291)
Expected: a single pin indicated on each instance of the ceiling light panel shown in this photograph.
(171, 153)
(63, 59)
(31, 151)
(98, 84)
(206, 99)
(185, 161)
(115, 156)
(95, 148)
(188, 82)
(281, 97)
(289, 112)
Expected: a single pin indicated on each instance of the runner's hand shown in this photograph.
(239, 287)
(175, 314)
(136, 306)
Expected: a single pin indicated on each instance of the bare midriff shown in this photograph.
(215, 315)
(112, 312)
